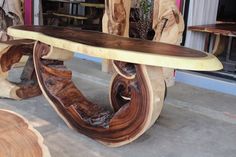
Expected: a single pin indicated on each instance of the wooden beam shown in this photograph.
(11, 53)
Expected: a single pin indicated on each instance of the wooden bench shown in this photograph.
(136, 90)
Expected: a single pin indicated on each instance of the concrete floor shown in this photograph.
(194, 122)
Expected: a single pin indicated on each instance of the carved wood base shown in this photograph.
(136, 94)
(11, 53)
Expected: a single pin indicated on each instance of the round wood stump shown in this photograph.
(18, 138)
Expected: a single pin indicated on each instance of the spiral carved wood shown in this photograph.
(137, 101)
(10, 54)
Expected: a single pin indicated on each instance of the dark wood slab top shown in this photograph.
(111, 41)
(107, 46)
(226, 29)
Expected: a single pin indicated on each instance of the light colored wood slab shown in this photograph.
(18, 138)
(115, 23)
(168, 24)
(120, 48)
(11, 56)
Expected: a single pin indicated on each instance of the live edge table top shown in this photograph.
(226, 29)
(113, 47)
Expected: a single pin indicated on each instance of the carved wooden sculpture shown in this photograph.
(136, 92)
(10, 15)
(11, 53)
(18, 138)
(168, 25)
(115, 22)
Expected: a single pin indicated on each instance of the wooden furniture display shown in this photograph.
(222, 32)
(136, 90)
(18, 138)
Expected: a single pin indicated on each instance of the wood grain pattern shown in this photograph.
(119, 48)
(18, 138)
(226, 29)
(115, 22)
(11, 53)
(168, 24)
(114, 129)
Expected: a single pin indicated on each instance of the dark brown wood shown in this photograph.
(124, 125)
(227, 29)
(113, 42)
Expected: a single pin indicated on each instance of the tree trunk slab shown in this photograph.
(18, 138)
(11, 53)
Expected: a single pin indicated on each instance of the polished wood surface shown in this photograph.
(119, 48)
(226, 29)
(137, 101)
(18, 138)
(136, 90)
(116, 23)
(11, 53)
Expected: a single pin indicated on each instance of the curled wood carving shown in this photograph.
(137, 101)
(18, 138)
(116, 22)
(168, 25)
(11, 53)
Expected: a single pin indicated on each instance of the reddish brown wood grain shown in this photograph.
(227, 29)
(124, 125)
(28, 87)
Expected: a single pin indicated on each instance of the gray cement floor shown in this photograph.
(194, 122)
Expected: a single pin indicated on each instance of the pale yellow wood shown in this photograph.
(13, 6)
(8, 90)
(156, 85)
(59, 54)
(116, 22)
(94, 5)
(219, 45)
(168, 25)
(208, 63)
(19, 138)
(71, 16)
(168, 22)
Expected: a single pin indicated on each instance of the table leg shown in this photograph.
(28, 87)
(229, 49)
(207, 42)
(136, 97)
